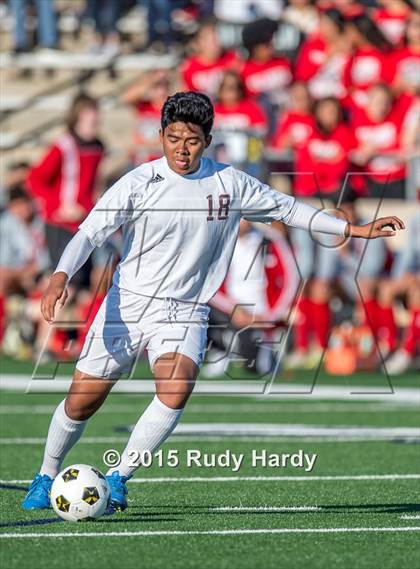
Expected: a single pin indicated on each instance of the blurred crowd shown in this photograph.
(324, 93)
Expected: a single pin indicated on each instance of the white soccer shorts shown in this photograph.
(127, 323)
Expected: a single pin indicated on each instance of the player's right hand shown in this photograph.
(56, 292)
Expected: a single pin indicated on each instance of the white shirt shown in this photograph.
(180, 231)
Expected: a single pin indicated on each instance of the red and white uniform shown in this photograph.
(322, 164)
(324, 74)
(293, 130)
(66, 175)
(264, 279)
(367, 67)
(384, 136)
(206, 77)
(270, 77)
(391, 24)
(247, 114)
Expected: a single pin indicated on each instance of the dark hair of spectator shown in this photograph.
(208, 22)
(79, 104)
(239, 83)
(258, 32)
(370, 31)
(336, 17)
(18, 192)
(188, 107)
(321, 127)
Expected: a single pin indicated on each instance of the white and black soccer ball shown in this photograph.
(80, 492)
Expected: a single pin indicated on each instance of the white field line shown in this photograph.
(203, 431)
(265, 509)
(309, 478)
(61, 384)
(206, 532)
(408, 517)
(231, 408)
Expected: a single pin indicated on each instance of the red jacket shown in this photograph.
(66, 174)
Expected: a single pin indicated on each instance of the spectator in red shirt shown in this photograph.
(377, 129)
(391, 18)
(406, 79)
(370, 63)
(234, 110)
(322, 164)
(265, 75)
(324, 57)
(203, 71)
(65, 181)
(147, 96)
(240, 124)
(296, 124)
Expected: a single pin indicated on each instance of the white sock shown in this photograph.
(152, 429)
(63, 434)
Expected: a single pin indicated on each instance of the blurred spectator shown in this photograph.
(405, 283)
(234, 110)
(406, 78)
(203, 71)
(370, 62)
(105, 14)
(65, 181)
(240, 125)
(377, 129)
(265, 75)
(147, 96)
(23, 256)
(256, 295)
(159, 22)
(247, 11)
(329, 265)
(324, 57)
(15, 175)
(322, 164)
(296, 124)
(410, 142)
(46, 24)
(301, 14)
(391, 17)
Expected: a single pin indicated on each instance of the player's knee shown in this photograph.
(77, 410)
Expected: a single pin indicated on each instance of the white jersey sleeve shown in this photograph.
(75, 254)
(260, 202)
(113, 209)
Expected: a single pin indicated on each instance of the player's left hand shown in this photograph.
(382, 227)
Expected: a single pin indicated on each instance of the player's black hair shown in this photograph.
(188, 107)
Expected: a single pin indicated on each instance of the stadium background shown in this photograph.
(277, 72)
(359, 505)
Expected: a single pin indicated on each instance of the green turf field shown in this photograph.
(358, 507)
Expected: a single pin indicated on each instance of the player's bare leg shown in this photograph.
(175, 375)
(84, 398)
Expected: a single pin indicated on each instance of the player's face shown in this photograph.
(183, 146)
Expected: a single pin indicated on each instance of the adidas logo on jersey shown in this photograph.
(157, 178)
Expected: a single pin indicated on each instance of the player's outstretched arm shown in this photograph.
(382, 227)
(74, 256)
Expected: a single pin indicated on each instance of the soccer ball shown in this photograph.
(80, 492)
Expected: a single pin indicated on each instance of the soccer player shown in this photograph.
(180, 216)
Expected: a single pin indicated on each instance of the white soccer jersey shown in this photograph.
(180, 231)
